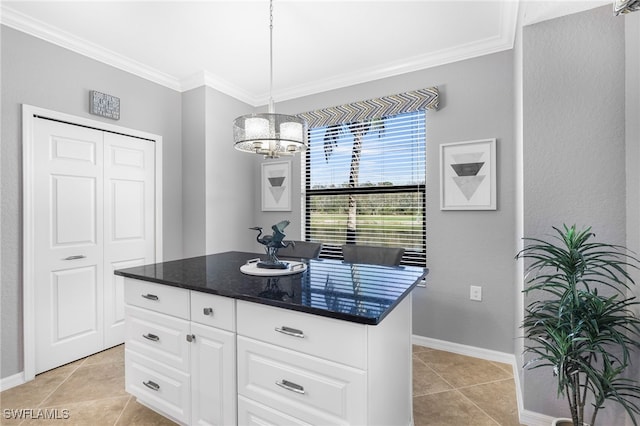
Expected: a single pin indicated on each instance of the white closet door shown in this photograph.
(129, 224)
(68, 232)
(94, 204)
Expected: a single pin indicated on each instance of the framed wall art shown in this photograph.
(468, 175)
(276, 186)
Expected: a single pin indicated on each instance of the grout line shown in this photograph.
(485, 383)
(478, 407)
(71, 373)
(59, 384)
(123, 410)
(437, 374)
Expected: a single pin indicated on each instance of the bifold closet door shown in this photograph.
(92, 215)
(129, 224)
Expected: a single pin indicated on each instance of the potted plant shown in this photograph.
(581, 322)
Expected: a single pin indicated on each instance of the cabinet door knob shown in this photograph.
(207, 311)
(191, 337)
(149, 296)
(290, 331)
(290, 386)
(151, 337)
(152, 385)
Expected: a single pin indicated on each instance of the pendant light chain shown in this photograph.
(271, 107)
(270, 134)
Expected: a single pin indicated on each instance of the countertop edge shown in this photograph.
(283, 305)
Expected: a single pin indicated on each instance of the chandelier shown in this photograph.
(270, 134)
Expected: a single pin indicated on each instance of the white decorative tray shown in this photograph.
(251, 268)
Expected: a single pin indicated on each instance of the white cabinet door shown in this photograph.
(213, 376)
(68, 278)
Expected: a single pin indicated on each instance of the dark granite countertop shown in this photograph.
(352, 292)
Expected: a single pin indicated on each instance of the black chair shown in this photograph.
(301, 249)
(376, 255)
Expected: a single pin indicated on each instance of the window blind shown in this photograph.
(365, 184)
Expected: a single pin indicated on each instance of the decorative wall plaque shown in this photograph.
(104, 105)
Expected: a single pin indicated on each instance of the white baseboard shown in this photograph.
(529, 418)
(457, 348)
(12, 381)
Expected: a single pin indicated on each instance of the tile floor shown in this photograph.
(448, 389)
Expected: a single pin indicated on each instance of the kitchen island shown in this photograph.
(208, 344)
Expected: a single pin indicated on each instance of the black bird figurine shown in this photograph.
(272, 243)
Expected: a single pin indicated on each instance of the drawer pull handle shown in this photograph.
(290, 386)
(150, 296)
(78, 256)
(207, 311)
(290, 331)
(152, 385)
(151, 337)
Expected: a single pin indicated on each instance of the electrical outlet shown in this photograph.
(475, 293)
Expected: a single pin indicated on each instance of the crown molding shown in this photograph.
(503, 41)
(44, 31)
(206, 78)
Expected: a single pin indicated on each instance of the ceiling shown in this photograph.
(318, 45)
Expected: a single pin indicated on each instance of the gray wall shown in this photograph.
(463, 247)
(193, 172)
(574, 145)
(230, 178)
(632, 130)
(42, 74)
(217, 181)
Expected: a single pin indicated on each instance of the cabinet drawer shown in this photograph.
(328, 338)
(158, 297)
(305, 387)
(160, 337)
(250, 413)
(161, 388)
(213, 310)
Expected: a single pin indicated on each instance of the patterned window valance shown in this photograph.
(374, 108)
(625, 6)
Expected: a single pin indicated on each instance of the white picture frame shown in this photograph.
(468, 175)
(276, 186)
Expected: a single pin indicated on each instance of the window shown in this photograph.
(365, 184)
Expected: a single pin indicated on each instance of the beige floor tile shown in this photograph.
(460, 370)
(136, 414)
(425, 380)
(31, 394)
(418, 348)
(88, 383)
(115, 354)
(102, 412)
(448, 408)
(507, 368)
(497, 399)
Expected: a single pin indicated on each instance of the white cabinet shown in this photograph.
(209, 360)
(180, 352)
(296, 368)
